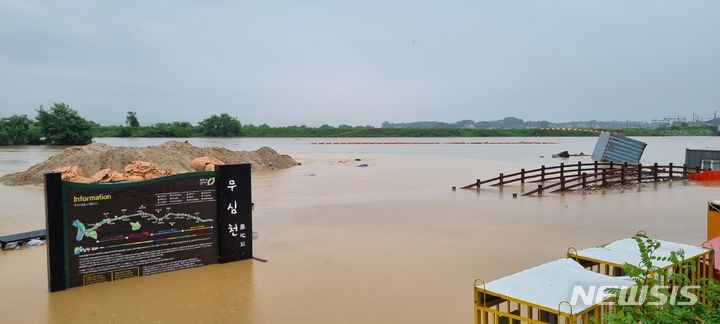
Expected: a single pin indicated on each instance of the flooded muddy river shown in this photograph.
(390, 243)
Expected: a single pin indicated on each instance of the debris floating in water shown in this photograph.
(35, 242)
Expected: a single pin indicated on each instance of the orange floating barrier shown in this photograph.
(705, 176)
(429, 143)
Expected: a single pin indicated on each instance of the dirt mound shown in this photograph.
(172, 155)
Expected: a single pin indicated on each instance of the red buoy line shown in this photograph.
(428, 143)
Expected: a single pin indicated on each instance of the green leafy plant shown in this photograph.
(656, 297)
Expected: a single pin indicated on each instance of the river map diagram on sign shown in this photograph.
(163, 222)
(121, 230)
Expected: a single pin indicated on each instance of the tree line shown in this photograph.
(62, 125)
(58, 125)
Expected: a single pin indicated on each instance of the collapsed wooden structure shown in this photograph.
(564, 177)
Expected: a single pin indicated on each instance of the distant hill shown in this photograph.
(517, 123)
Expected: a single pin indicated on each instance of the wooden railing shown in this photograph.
(565, 177)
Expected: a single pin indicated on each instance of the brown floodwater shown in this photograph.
(390, 243)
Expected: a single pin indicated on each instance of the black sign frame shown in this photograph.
(233, 233)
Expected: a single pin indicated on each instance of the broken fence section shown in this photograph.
(566, 177)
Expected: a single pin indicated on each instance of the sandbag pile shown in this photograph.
(135, 171)
(171, 155)
(142, 170)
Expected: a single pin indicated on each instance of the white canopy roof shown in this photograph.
(714, 203)
(627, 251)
(551, 283)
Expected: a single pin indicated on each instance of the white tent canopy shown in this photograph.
(551, 283)
(627, 251)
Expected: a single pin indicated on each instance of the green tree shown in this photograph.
(131, 120)
(61, 125)
(222, 125)
(14, 130)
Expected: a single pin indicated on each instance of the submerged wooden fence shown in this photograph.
(566, 177)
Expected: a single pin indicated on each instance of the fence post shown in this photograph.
(562, 183)
(584, 180)
(671, 170)
(684, 170)
(562, 169)
(655, 172)
(579, 168)
(522, 176)
(623, 168)
(477, 184)
(542, 173)
(604, 177)
(639, 173)
(539, 190)
(595, 166)
(502, 180)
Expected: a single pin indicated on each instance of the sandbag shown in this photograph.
(108, 175)
(205, 163)
(72, 174)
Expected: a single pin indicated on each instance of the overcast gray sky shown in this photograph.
(361, 62)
